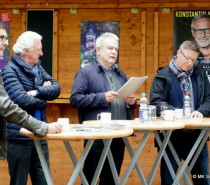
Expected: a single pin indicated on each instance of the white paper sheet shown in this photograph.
(131, 86)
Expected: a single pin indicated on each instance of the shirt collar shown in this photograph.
(106, 68)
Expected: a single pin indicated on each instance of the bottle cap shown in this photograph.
(186, 93)
(143, 94)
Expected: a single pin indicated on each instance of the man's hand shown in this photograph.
(130, 99)
(54, 128)
(47, 83)
(32, 93)
(110, 96)
(196, 114)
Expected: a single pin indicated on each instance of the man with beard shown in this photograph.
(200, 28)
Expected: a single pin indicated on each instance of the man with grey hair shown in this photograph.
(29, 86)
(200, 28)
(169, 85)
(11, 112)
(94, 91)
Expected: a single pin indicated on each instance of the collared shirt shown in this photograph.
(118, 106)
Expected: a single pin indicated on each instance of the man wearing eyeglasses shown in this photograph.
(11, 112)
(200, 28)
(169, 85)
(30, 86)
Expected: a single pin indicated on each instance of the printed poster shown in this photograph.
(182, 32)
(5, 18)
(90, 30)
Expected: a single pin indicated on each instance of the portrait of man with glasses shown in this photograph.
(3, 44)
(200, 28)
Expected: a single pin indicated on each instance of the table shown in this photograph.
(146, 128)
(204, 125)
(105, 135)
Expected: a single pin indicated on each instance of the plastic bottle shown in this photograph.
(143, 108)
(187, 106)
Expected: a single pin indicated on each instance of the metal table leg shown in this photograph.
(113, 167)
(80, 162)
(74, 160)
(135, 158)
(198, 151)
(160, 154)
(107, 144)
(43, 162)
(189, 157)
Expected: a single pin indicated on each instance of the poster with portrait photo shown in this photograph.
(182, 32)
(90, 30)
(5, 18)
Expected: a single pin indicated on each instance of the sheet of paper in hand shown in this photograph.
(131, 86)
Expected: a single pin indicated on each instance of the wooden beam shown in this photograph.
(55, 46)
(143, 43)
(23, 22)
(156, 41)
(10, 5)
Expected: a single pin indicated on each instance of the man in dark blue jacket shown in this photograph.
(95, 91)
(169, 85)
(29, 86)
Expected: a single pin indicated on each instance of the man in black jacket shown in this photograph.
(169, 85)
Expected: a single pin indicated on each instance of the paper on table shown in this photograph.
(131, 86)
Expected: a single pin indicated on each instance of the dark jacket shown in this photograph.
(88, 92)
(11, 112)
(162, 85)
(19, 78)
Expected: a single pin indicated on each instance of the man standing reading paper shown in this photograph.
(94, 91)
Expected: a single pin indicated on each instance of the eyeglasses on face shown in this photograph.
(199, 31)
(188, 58)
(3, 38)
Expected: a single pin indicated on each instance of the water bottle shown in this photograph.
(143, 108)
(187, 106)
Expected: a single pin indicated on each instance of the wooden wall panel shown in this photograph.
(165, 37)
(146, 43)
(69, 38)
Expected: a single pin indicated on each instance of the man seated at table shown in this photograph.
(94, 91)
(169, 85)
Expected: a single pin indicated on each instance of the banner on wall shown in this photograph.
(182, 25)
(90, 30)
(5, 18)
(182, 32)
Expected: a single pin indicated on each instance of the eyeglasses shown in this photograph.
(3, 38)
(199, 31)
(188, 58)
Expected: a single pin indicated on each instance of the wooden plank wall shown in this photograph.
(146, 43)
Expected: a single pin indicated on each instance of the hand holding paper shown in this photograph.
(131, 86)
(110, 96)
(130, 99)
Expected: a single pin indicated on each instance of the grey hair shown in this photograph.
(189, 45)
(26, 41)
(2, 25)
(200, 16)
(100, 39)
